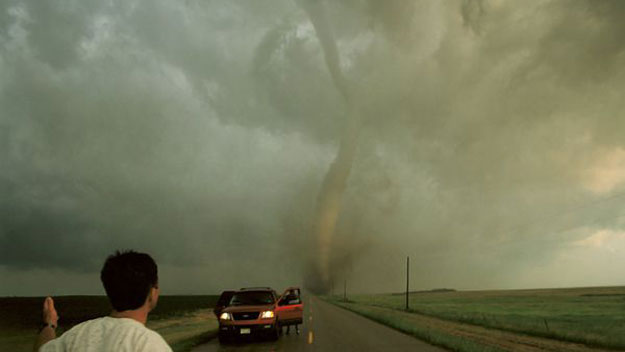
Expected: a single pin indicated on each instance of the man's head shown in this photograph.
(130, 280)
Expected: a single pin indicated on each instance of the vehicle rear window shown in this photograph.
(251, 298)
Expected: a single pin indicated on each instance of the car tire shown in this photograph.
(223, 338)
(275, 334)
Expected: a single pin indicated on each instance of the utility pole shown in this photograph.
(407, 281)
(345, 290)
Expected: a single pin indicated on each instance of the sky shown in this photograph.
(489, 149)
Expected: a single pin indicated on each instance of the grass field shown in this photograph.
(589, 316)
(181, 320)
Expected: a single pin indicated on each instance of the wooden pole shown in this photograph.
(407, 281)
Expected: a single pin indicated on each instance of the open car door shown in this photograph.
(222, 302)
(290, 309)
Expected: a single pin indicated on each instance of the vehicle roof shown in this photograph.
(256, 289)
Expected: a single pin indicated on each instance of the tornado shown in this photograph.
(328, 205)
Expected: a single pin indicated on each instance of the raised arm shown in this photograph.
(50, 319)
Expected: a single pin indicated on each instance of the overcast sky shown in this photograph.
(491, 151)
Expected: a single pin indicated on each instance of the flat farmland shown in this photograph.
(585, 317)
(182, 320)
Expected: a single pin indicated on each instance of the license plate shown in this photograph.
(246, 331)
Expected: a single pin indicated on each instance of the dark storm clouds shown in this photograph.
(492, 137)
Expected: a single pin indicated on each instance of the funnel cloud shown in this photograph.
(239, 142)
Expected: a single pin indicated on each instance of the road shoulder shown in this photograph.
(459, 336)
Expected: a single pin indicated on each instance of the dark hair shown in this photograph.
(127, 278)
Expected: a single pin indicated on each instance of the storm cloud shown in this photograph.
(490, 150)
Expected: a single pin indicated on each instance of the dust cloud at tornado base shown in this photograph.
(489, 148)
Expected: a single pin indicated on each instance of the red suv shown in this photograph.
(259, 311)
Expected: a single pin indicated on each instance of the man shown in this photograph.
(130, 280)
(292, 298)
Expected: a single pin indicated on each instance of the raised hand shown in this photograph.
(50, 315)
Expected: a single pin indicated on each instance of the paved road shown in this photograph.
(329, 328)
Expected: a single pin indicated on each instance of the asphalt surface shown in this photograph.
(330, 328)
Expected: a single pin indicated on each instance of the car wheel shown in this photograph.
(223, 338)
(275, 334)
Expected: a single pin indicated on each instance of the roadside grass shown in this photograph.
(591, 316)
(184, 321)
(185, 332)
(422, 332)
(17, 340)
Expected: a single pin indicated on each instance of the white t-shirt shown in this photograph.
(108, 334)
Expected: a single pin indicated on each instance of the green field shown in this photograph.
(590, 316)
(181, 320)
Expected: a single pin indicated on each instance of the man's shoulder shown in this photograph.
(60, 343)
(153, 341)
(134, 333)
(148, 338)
(84, 325)
(157, 339)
